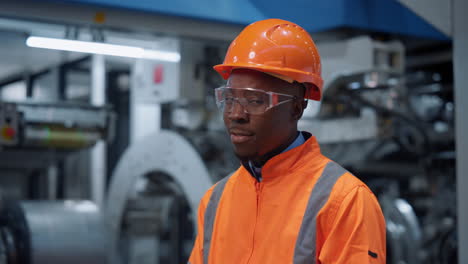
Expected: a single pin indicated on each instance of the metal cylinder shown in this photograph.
(71, 232)
(159, 154)
(60, 137)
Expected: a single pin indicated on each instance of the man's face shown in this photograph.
(255, 135)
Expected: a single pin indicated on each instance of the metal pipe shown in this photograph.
(98, 152)
(460, 67)
(52, 180)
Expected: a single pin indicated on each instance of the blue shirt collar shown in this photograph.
(296, 143)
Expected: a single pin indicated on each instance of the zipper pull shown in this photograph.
(258, 186)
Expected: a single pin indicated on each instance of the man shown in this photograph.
(287, 203)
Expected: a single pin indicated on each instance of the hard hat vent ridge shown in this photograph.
(279, 47)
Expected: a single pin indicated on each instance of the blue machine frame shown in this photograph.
(314, 15)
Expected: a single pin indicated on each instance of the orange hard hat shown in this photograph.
(280, 48)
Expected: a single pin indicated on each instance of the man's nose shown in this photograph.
(237, 111)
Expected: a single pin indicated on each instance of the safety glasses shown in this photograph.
(253, 101)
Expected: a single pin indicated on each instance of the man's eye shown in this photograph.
(256, 102)
(229, 100)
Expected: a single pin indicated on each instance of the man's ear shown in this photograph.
(298, 108)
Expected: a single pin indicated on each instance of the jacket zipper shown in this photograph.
(258, 189)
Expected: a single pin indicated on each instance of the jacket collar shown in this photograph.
(284, 162)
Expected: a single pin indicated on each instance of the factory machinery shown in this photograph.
(394, 129)
(34, 135)
(390, 127)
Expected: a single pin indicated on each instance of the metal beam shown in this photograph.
(460, 67)
(29, 86)
(62, 83)
(84, 15)
(436, 12)
(21, 76)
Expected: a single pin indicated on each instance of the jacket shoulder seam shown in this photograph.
(340, 201)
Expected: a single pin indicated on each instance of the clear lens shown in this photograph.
(219, 96)
(251, 100)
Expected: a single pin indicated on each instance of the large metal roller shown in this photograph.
(71, 232)
(162, 153)
(403, 231)
(52, 232)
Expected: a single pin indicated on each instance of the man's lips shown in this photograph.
(240, 136)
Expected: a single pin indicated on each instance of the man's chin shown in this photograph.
(245, 155)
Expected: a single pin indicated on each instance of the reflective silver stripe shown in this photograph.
(210, 214)
(304, 252)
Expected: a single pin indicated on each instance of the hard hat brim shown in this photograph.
(308, 79)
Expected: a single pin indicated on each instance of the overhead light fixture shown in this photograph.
(101, 48)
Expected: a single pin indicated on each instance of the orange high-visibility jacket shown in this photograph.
(306, 209)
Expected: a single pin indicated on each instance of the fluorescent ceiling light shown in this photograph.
(101, 48)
